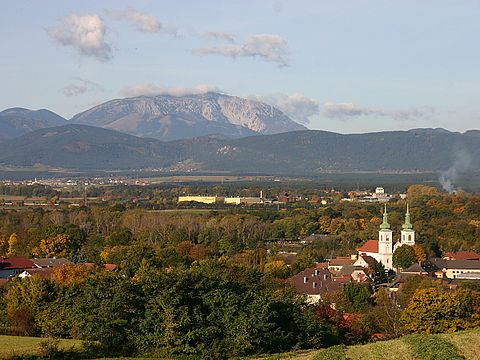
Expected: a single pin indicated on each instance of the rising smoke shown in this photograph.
(449, 177)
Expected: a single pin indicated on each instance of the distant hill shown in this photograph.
(294, 153)
(167, 117)
(18, 121)
(86, 147)
(321, 151)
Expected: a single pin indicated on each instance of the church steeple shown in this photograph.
(385, 225)
(408, 225)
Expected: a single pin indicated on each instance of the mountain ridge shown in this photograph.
(168, 117)
(17, 121)
(300, 152)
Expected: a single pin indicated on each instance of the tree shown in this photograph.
(355, 298)
(420, 254)
(386, 314)
(58, 245)
(12, 245)
(404, 257)
(437, 311)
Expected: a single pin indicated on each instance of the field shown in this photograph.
(457, 346)
(21, 345)
(461, 345)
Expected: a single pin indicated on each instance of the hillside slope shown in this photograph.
(86, 147)
(18, 121)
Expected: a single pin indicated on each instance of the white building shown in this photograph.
(382, 249)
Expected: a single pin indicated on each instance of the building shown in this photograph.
(453, 269)
(383, 248)
(461, 255)
(14, 265)
(201, 199)
(243, 200)
(50, 262)
(340, 261)
(315, 282)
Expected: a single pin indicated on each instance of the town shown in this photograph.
(356, 255)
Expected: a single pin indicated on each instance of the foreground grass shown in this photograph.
(11, 346)
(456, 346)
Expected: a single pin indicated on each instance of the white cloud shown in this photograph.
(86, 33)
(152, 89)
(220, 35)
(297, 106)
(143, 21)
(269, 47)
(81, 86)
(346, 110)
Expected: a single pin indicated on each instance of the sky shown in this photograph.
(347, 66)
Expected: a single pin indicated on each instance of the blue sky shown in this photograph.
(345, 66)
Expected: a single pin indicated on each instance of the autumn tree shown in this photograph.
(12, 245)
(404, 257)
(437, 311)
(420, 254)
(58, 245)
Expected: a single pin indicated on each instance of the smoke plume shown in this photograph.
(449, 177)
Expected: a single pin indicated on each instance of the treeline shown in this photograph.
(443, 222)
(213, 309)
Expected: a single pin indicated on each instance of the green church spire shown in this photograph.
(385, 225)
(408, 225)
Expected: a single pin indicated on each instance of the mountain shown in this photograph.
(168, 117)
(321, 151)
(86, 147)
(294, 153)
(18, 121)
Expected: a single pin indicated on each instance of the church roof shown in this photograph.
(370, 246)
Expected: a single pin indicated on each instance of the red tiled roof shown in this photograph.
(369, 246)
(462, 255)
(341, 261)
(42, 272)
(16, 262)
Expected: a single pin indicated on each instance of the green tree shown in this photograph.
(404, 257)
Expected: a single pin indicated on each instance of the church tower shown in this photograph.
(408, 234)
(385, 242)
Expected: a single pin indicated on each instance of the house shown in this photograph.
(364, 261)
(416, 269)
(315, 282)
(461, 255)
(356, 273)
(50, 262)
(41, 272)
(454, 268)
(340, 261)
(14, 265)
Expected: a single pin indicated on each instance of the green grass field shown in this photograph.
(21, 345)
(457, 346)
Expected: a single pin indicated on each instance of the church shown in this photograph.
(382, 249)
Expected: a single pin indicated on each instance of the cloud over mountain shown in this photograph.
(299, 107)
(152, 89)
(85, 33)
(269, 47)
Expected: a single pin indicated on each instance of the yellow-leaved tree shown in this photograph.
(58, 245)
(12, 245)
